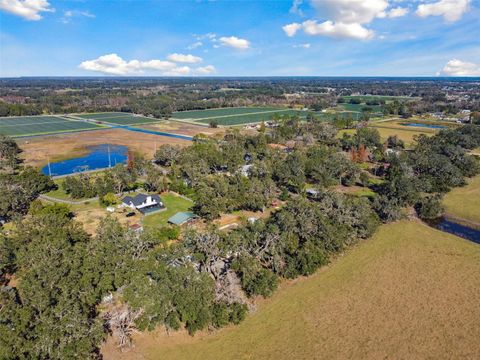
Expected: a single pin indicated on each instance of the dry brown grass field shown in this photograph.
(410, 292)
(36, 150)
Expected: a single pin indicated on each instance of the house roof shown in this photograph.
(139, 199)
(181, 217)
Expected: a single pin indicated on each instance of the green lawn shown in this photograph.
(60, 193)
(174, 204)
(408, 293)
(464, 202)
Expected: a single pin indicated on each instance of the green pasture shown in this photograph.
(118, 118)
(37, 125)
(194, 115)
(248, 118)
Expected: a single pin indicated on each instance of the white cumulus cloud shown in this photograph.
(113, 64)
(235, 42)
(351, 11)
(337, 30)
(397, 12)
(205, 70)
(457, 67)
(451, 10)
(181, 58)
(28, 9)
(345, 18)
(178, 71)
(291, 29)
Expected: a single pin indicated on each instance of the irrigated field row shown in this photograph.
(118, 118)
(247, 118)
(36, 125)
(129, 120)
(213, 113)
(98, 116)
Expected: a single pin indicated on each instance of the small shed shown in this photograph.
(181, 218)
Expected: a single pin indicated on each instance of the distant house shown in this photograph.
(181, 218)
(143, 203)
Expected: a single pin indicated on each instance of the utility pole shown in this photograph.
(49, 169)
(109, 158)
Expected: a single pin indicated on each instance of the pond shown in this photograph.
(99, 157)
(459, 230)
(430, 126)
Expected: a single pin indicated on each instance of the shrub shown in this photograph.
(430, 207)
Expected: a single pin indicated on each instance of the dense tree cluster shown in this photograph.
(434, 166)
(19, 184)
(116, 180)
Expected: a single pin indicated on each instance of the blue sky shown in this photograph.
(240, 38)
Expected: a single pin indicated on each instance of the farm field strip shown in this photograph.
(211, 113)
(129, 120)
(26, 126)
(117, 118)
(253, 113)
(245, 119)
(95, 116)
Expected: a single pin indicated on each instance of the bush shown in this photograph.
(388, 209)
(109, 199)
(238, 312)
(264, 283)
(430, 207)
(255, 279)
(223, 314)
